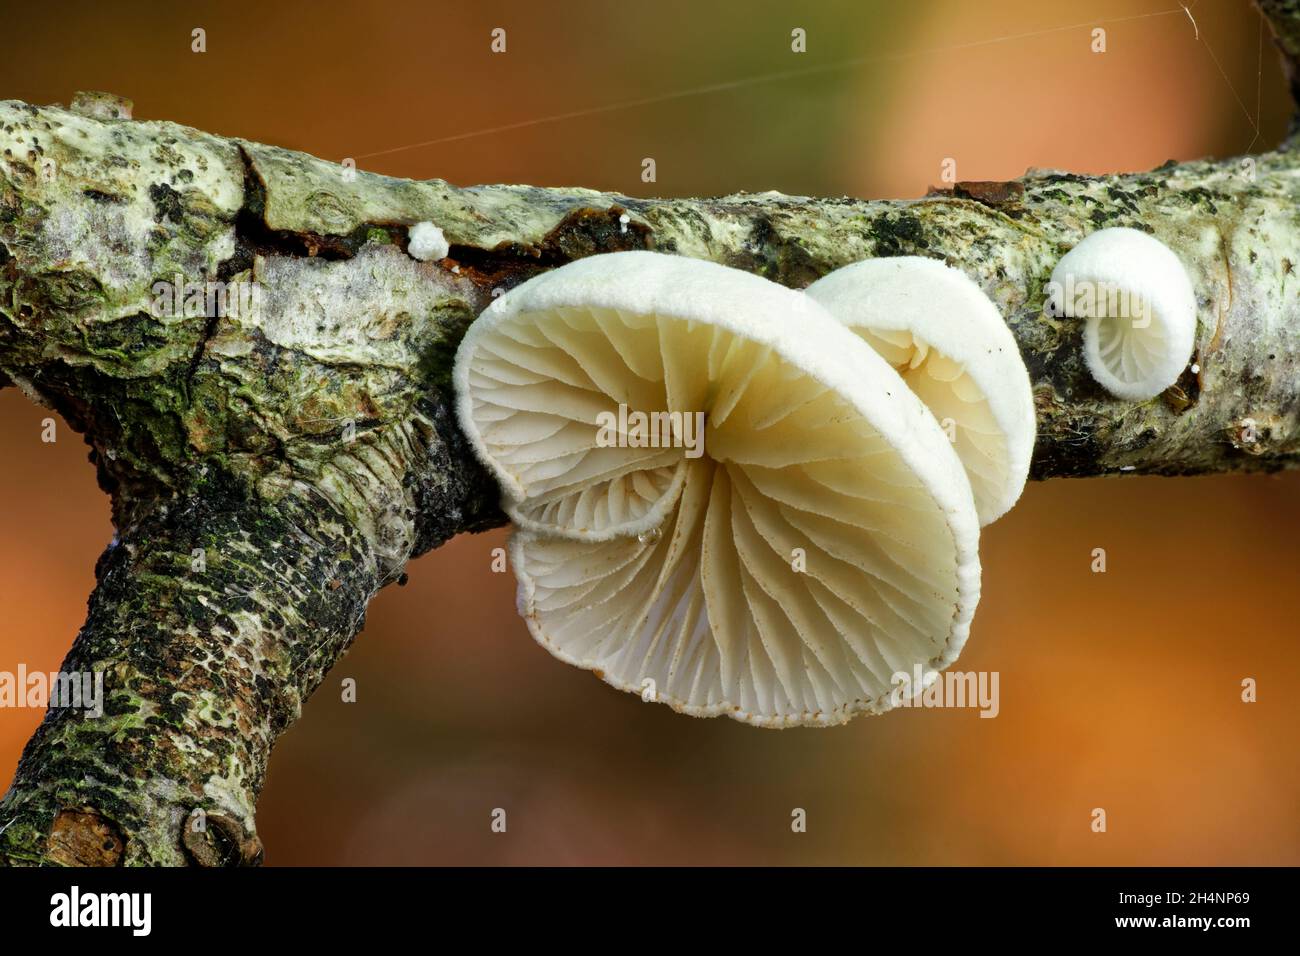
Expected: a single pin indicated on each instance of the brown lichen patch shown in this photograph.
(1176, 399)
(1256, 436)
(84, 838)
(582, 232)
(989, 192)
(214, 839)
(585, 232)
(1185, 392)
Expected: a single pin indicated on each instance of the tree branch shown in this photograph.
(272, 468)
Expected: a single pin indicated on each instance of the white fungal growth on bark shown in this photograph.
(1138, 305)
(346, 310)
(427, 243)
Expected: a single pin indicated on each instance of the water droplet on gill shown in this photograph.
(648, 537)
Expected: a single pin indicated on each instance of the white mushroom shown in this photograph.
(1139, 306)
(949, 342)
(825, 539)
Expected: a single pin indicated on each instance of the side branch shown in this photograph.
(213, 620)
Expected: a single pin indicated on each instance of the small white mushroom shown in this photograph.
(426, 242)
(1139, 307)
(824, 540)
(949, 342)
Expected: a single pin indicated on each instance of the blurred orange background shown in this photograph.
(1119, 690)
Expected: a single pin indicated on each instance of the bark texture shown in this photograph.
(272, 468)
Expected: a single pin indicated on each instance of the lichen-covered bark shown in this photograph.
(204, 668)
(272, 468)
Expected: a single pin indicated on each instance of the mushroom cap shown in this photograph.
(949, 342)
(682, 579)
(1133, 357)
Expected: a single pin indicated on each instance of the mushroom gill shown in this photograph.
(820, 539)
(949, 342)
(1138, 307)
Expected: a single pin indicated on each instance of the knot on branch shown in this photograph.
(215, 839)
(84, 837)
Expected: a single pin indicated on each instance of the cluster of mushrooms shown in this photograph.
(857, 435)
